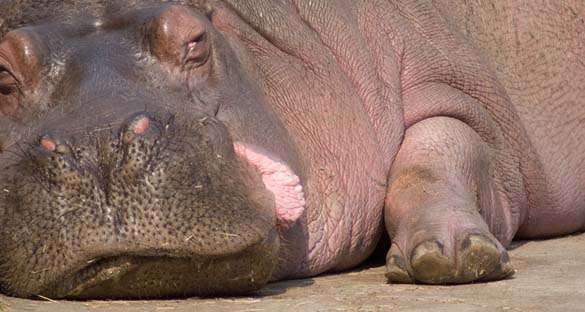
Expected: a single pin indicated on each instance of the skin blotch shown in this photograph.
(413, 177)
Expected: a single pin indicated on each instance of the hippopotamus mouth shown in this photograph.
(160, 209)
(153, 276)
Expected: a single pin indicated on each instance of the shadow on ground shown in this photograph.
(550, 276)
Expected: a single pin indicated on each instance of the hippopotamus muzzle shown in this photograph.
(153, 209)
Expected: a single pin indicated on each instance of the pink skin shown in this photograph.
(446, 125)
(344, 161)
(440, 196)
(280, 180)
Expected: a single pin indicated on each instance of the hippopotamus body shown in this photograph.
(181, 148)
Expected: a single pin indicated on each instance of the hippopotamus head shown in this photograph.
(139, 156)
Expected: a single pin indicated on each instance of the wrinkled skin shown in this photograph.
(154, 149)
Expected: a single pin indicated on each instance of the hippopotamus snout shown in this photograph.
(158, 197)
(100, 158)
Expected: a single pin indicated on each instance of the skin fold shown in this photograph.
(190, 148)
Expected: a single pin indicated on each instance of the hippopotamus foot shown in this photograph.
(440, 187)
(439, 258)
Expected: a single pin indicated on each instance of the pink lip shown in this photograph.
(279, 179)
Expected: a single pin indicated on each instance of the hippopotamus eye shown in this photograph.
(20, 63)
(8, 83)
(8, 90)
(19, 70)
(180, 38)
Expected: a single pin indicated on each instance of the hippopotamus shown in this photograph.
(204, 148)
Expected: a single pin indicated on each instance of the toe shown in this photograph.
(504, 268)
(478, 258)
(430, 264)
(396, 271)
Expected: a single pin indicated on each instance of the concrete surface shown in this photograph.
(550, 277)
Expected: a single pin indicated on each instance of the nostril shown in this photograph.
(137, 125)
(141, 125)
(54, 145)
(48, 144)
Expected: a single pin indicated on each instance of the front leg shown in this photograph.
(441, 190)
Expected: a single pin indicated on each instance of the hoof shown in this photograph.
(476, 258)
(396, 268)
(430, 265)
(481, 260)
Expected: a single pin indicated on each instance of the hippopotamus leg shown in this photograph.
(437, 189)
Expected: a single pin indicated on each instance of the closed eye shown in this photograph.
(8, 84)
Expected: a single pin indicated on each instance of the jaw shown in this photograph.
(135, 276)
(149, 275)
(139, 267)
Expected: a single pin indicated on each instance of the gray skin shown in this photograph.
(460, 126)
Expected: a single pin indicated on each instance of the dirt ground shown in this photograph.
(550, 277)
